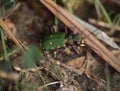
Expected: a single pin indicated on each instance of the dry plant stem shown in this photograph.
(90, 40)
(102, 24)
(6, 29)
(46, 85)
(10, 76)
(99, 15)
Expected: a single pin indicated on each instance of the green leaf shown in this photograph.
(7, 4)
(31, 56)
(4, 1)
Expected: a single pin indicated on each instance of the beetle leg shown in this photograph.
(76, 51)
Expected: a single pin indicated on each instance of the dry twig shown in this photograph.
(6, 29)
(102, 24)
(10, 76)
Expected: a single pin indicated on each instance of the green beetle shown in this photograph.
(58, 40)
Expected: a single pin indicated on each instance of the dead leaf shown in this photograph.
(76, 63)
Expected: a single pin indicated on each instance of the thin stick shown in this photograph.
(11, 76)
(6, 29)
